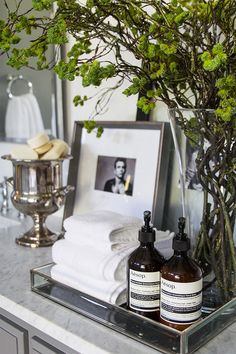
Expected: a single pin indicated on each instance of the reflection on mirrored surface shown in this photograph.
(31, 99)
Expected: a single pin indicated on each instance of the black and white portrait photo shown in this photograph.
(115, 175)
(192, 180)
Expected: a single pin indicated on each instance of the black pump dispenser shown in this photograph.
(143, 273)
(147, 233)
(181, 242)
(181, 285)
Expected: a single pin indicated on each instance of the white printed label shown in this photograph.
(181, 302)
(144, 290)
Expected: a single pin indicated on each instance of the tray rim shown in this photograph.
(183, 335)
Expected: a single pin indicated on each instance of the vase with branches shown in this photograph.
(182, 53)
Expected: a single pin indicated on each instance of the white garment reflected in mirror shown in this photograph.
(23, 117)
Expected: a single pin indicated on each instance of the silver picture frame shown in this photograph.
(149, 143)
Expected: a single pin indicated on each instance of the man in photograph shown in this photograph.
(192, 180)
(119, 184)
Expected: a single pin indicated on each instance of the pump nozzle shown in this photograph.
(181, 225)
(147, 219)
(181, 241)
(147, 233)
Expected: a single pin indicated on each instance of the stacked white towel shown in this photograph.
(91, 261)
(93, 256)
(23, 117)
(108, 230)
(110, 291)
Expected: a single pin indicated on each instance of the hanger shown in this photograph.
(15, 78)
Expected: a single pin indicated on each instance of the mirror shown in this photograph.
(47, 90)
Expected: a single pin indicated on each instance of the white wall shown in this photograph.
(120, 108)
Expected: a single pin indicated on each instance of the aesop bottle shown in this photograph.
(181, 285)
(144, 266)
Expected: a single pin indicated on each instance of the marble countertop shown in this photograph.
(74, 330)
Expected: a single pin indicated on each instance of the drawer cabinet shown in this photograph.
(18, 337)
(13, 338)
(38, 346)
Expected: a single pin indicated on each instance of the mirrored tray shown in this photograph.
(153, 334)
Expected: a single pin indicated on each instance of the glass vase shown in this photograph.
(205, 150)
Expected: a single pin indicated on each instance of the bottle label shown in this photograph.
(181, 302)
(144, 290)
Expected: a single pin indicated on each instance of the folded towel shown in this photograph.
(109, 231)
(105, 228)
(80, 239)
(23, 117)
(163, 240)
(91, 261)
(109, 291)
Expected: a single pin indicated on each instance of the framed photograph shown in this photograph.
(123, 171)
(191, 177)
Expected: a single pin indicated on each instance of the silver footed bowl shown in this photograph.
(38, 191)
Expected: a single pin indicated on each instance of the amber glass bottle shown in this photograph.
(181, 285)
(144, 266)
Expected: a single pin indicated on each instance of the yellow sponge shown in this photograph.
(44, 148)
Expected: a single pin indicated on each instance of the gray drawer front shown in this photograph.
(12, 338)
(38, 346)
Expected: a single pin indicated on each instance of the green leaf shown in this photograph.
(214, 60)
(42, 4)
(145, 104)
(99, 132)
(79, 100)
(168, 48)
(89, 125)
(138, 84)
(56, 34)
(93, 73)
